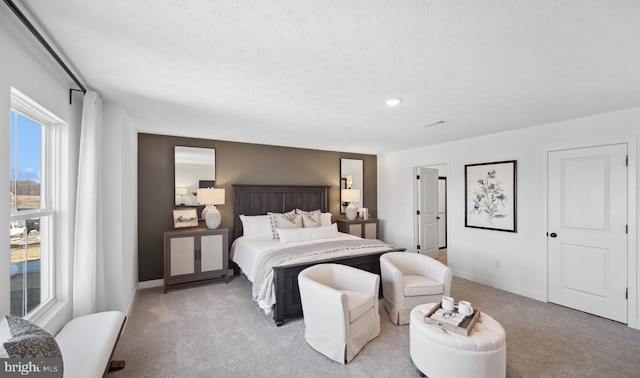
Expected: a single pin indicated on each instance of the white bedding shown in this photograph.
(248, 252)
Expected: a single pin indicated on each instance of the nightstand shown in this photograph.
(367, 229)
(195, 255)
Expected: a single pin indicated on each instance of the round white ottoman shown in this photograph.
(438, 353)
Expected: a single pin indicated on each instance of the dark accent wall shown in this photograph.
(236, 163)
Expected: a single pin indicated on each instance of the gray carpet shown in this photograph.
(216, 330)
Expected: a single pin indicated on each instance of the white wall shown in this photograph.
(120, 207)
(27, 67)
(521, 256)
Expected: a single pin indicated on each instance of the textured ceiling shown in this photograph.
(315, 74)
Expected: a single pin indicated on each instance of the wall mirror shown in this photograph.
(194, 168)
(351, 178)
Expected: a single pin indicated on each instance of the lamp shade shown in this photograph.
(211, 196)
(350, 195)
(181, 191)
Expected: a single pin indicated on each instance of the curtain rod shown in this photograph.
(46, 45)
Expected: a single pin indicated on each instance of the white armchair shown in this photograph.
(340, 308)
(410, 279)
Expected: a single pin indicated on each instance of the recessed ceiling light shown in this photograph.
(434, 123)
(393, 101)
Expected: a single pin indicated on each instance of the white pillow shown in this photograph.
(310, 218)
(294, 234)
(325, 219)
(256, 226)
(324, 232)
(284, 221)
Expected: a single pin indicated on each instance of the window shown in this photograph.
(33, 183)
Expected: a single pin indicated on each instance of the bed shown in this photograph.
(256, 200)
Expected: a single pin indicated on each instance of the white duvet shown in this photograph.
(248, 253)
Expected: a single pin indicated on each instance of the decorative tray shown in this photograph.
(463, 329)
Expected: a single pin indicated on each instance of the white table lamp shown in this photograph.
(211, 197)
(351, 196)
(181, 191)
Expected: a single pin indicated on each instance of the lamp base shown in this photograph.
(211, 217)
(351, 211)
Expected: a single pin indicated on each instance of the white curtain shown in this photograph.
(88, 267)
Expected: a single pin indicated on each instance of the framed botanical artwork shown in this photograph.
(490, 196)
(186, 217)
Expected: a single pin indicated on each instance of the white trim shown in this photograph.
(417, 187)
(28, 214)
(131, 302)
(24, 104)
(537, 295)
(54, 140)
(150, 284)
(633, 318)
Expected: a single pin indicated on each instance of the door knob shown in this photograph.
(553, 234)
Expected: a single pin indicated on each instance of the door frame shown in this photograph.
(416, 193)
(446, 215)
(633, 268)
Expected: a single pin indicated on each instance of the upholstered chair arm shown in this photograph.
(436, 270)
(392, 282)
(348, 278)
(324, 307)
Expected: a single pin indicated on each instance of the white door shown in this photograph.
(587, 236)
(427, 212)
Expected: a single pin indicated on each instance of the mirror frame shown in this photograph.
(351, 177)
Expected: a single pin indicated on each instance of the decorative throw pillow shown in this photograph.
(310, 218)
(284, 221)
(23, 339)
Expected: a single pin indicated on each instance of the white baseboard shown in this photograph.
(149, 284)
(130, 305)
(502, 286)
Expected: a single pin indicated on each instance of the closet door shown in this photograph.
(587, 230)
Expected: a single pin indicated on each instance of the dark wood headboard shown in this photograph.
(260, 199)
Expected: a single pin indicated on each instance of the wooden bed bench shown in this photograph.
(87, 344)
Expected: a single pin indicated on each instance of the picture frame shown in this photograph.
(490, 196)
(186, 217)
